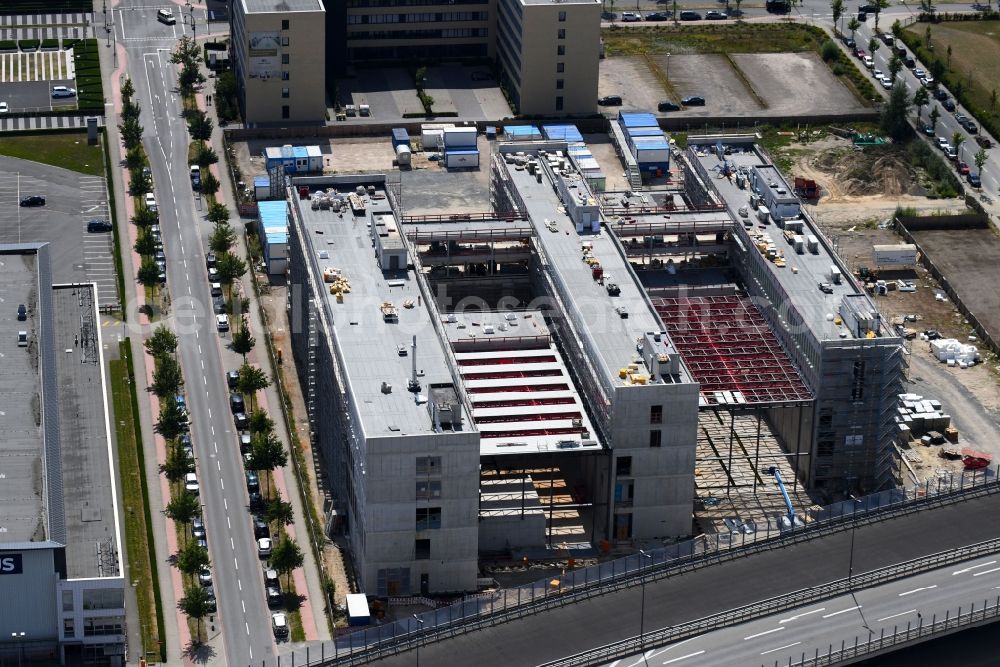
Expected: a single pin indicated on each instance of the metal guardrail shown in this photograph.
(639, 644)
(369, 645)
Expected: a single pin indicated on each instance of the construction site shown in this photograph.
(571, 373)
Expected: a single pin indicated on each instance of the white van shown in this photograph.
(166, 16)
(222, 323)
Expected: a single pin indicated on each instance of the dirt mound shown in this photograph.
(856, 172)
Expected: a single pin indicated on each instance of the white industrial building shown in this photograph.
(61, 581)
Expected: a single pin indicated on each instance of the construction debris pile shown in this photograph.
(874, 170)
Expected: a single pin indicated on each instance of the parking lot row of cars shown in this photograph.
(685, 15)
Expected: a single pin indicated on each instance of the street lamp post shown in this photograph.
(420, 622)
(642, 605)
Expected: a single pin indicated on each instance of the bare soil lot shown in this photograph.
(796, 83)
(630, 77)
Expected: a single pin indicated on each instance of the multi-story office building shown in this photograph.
(279, 58)
(549, 52)
(61, 580)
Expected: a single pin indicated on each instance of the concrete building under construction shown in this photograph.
(533, 380)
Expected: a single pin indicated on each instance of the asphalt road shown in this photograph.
(599, 621)
(833, 623)
(242, 609)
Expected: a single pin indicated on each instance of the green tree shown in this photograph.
(837, 7)
(957, 139)
(139, 182)
(243, 341)
(144, 217)
(266, 453)
(261, 423)
(128, 90)
(149, 272)
(935, 114)
(209, 183)
(286, 556)
(230, 267)
(161, 341)
(879, 6)
(183, 508)
(167, 377)
(134, 159)
(853, 25)
(829, 51)
(937, 70)
(205, 155)
(897, 29)
(873, 46)
(895, 65)
(252, 380)
(222, 239)
(130, 111)
(218, 213)
(131, 132)
(927, 37)
(195, 604)
(894, 115)
(980, 159)
(176, 464)
(191, 558)
(172, 420)
(200, 126)
(921, 98)
(280, 512)
(144, 243)
(949, 55)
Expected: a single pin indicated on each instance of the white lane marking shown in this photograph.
(223, 485)
(244, 605)
(974, 567)
(210, 413)
(805, 613)
(761, 634)
(248, 629)
(927, 588)
(216, 445)
(202, 364)
(206, 381)
(218, 464)
(240, 584)
(225, 503)
(902, 613)
(199, 349)
(842, 611)
(983, 572)
(781, 648)
(683, 657)
(189, 290)
(235, 562)
(232, 544)
(230, 526)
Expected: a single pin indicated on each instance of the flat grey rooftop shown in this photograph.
(22, 508)
(86, 462)
(801, 277)
(594, 311)
(264, 6)
(368, 346)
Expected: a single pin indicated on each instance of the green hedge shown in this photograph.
(28, 44)
(7, 44)
(50, 43)
(89, 84)
(45, 6)
(70, 42)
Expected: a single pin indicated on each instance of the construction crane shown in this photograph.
(784, 492)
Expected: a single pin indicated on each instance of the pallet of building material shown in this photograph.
(951, 434)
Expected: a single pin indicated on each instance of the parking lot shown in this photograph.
(730, 87)
(71, 200)
(26, 79)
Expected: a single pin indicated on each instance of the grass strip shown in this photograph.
(89, 84)
(138, 521)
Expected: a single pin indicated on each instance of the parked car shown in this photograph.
(869, 62)
(205, 576)
(216, 289)
(210, 260)
(236, 403)
(98, 226)
(191, 483)
(715, 16)
(213, 275)
(693, 101)
(264, 547)
(241, 421)
(877, 73)
(658, 16)
(279, 626)
(963, 169)
(942, 143)
(260, 529)
(941, 94)
(948, 104)
(859, 52)
(63, 91)
(849, 43)
(218, 305)
(631, 17)
(984, 142)
(197, 527)
(232, 379)
(973, 179)
(22, 313)
(929, 130)
(918, 72)
(212, 602)
(273, 597)
(33, 200)
(610, 101)
(826, 288)
(222, 323)
(688, 15)
(887, 83)
(951, 154)
(667, 105)
(4, 108)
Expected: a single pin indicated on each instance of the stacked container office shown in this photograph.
(522, 132)
(646, 141)
(294, 159)
(274, 235)
(579, 153)
(460, 148)
(561, 132)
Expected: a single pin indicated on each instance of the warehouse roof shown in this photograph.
(266, 6)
